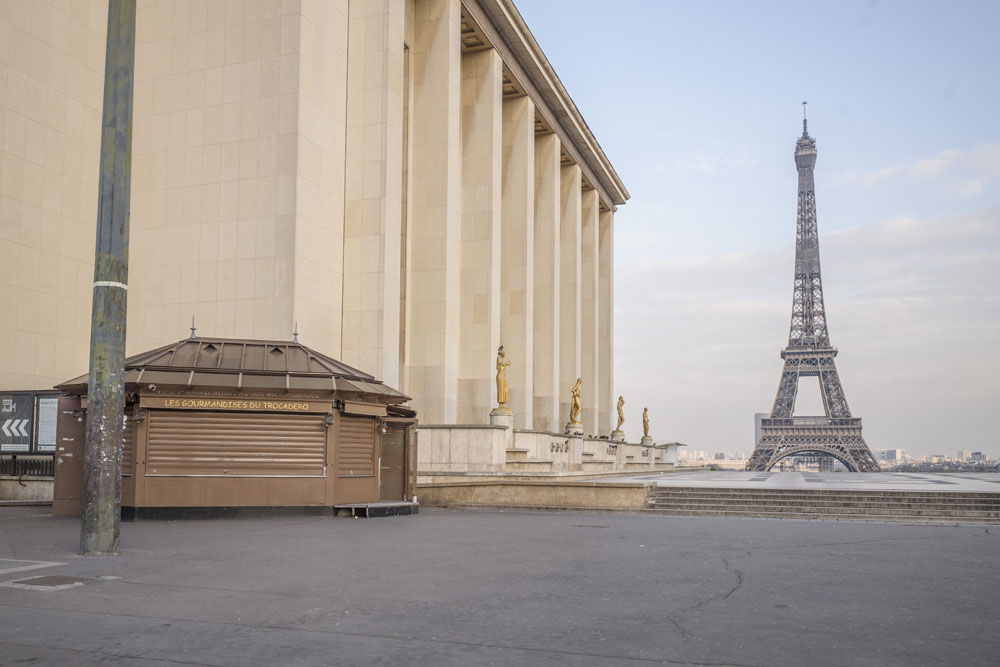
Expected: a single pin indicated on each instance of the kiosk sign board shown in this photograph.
(17, 411)
(46, 417)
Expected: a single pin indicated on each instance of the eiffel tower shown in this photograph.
(810, 354)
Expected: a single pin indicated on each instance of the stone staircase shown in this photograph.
(868, 505)
(518, 462)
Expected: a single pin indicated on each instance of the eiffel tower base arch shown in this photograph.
(839, 438)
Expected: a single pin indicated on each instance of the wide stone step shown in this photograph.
(986, 499)
(828, 502)
(516, 455)
(895, 510)
(887, 509)
(814, 491)
(530, 465)
(871, 504)
(896, 518)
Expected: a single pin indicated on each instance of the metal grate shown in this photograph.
(52, 581)
(27, 466)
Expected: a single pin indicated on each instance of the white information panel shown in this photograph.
(48, 414)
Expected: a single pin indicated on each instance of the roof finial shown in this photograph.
(805, 133)
(192, 328)
(295, 334)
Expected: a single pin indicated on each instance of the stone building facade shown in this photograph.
(407, 180)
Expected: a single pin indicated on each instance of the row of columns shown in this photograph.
(495, 240)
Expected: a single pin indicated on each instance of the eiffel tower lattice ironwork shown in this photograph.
(809, 354)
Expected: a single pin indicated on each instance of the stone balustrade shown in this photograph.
(499, 450)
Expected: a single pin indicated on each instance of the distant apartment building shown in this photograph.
(963, 455)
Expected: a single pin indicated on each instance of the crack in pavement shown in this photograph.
(739, 576)
(680, 628)
(727, 562)
(697, 605)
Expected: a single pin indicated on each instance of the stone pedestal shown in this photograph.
(502, 417)
(576, 452)
(574, 428)
(618, 436)
(646, 441)
(620, 456)
(670, 453)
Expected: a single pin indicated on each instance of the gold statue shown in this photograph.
(645, 422)
(621, 415)
(574, 404)
(503, 393)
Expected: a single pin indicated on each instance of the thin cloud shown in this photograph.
(962, 173)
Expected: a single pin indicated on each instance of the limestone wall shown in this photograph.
(408, 186)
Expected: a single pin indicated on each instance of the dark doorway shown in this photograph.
(392, 485)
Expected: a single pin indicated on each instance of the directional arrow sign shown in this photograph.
(15, 428)
(16, 413)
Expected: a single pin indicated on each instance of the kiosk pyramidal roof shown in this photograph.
(246, 364)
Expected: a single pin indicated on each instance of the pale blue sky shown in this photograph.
(697, 104)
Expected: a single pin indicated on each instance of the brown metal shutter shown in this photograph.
(128, 447)
(356, 448)
(235, 444)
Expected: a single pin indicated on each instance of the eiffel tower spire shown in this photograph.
(809, 352)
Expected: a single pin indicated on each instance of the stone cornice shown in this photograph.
(506, 30)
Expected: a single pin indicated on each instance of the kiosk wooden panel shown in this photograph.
(356, 461)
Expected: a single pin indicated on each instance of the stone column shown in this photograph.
(589, 310)
(546, 383)
(569, 289)
(606, 415)
(373, 211)
(479, 313)
(517, 254)
(434, 228)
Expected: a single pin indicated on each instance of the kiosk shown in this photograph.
(226, 424)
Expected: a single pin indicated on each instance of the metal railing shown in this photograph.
(27, 466)
(812, 421)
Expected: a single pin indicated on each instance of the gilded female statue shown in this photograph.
(645, 422)
(503, 393)
(621, 414)
(575, 408)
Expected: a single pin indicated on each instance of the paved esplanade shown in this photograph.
(874, 481)
(476, 588)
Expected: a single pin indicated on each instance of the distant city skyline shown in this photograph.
(701, 125)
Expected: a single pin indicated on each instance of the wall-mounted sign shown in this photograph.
(236, 404)
(16, 415)
(47, 415)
